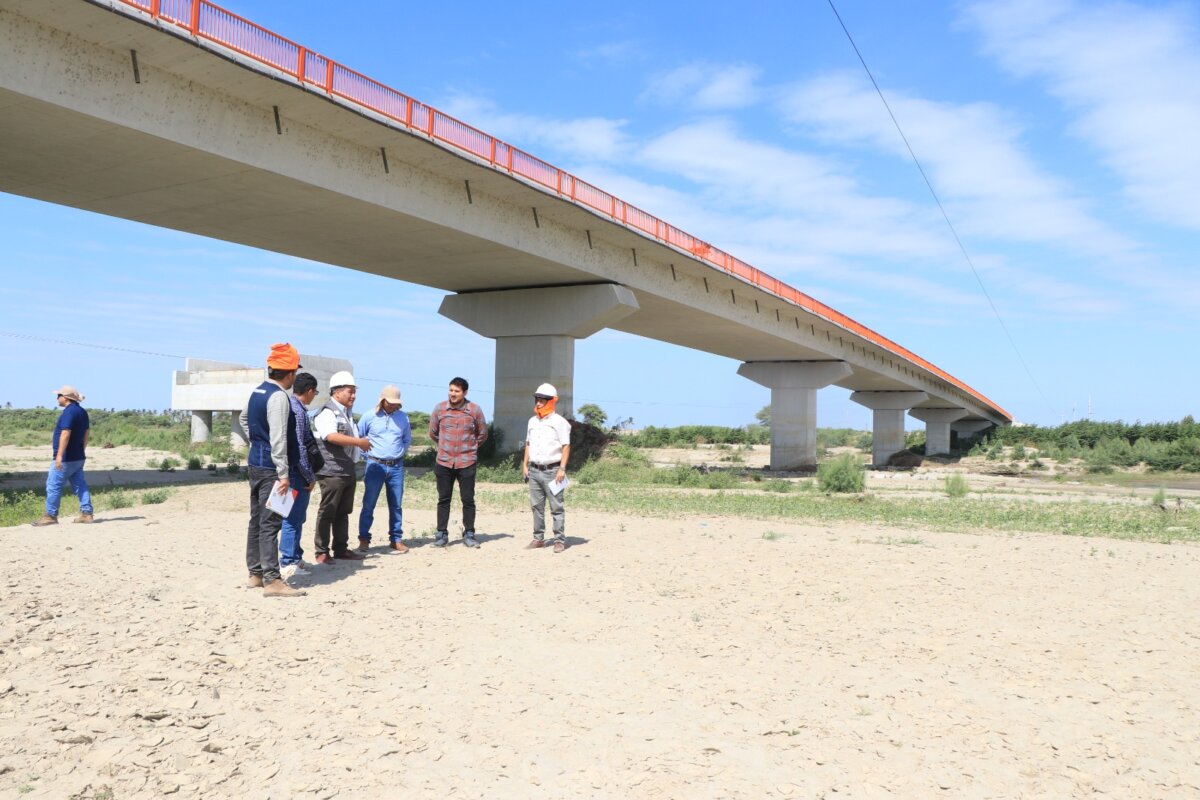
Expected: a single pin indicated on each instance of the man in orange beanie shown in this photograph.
(270, 425)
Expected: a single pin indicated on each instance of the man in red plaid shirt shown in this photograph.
(458, 428)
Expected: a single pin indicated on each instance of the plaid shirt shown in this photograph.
(458, 433)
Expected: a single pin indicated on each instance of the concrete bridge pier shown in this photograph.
(794, 386)
(969, 427)
(887, 427)
(937, 427)
(535, 332)
(201, 426)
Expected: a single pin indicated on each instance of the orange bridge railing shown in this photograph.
(207, 21)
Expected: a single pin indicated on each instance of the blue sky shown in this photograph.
(1060, 136)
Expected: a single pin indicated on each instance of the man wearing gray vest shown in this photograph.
(339, 442)
(273, 466)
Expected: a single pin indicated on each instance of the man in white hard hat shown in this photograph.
(388, 431)
(544, 466)
(339, 442)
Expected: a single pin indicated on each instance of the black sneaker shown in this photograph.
(441, 539)
(469, 539)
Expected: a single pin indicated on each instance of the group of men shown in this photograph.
(290, 455)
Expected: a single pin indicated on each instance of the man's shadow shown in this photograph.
(326, 574)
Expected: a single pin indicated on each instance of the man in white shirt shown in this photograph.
(544, 466)
(339, 442)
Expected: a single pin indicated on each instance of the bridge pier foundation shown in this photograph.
(970, 427)
(794, 386)
(535, 332)
(937, 427)
(887, 428)
(201, 426)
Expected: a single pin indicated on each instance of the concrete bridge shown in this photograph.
(180, 114)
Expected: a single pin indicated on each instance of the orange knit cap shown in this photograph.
(283, 356)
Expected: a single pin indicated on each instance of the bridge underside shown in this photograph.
(198, 142)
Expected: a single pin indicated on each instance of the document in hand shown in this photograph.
(281, 504)
(558, 487)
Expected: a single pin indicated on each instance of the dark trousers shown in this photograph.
(262, 534)
(446, 476)
(333, 515)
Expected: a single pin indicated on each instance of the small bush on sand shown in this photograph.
(956, 485)
(843, 474)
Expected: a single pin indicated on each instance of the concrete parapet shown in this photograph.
(535, 332)
(937, 427)
(794, 386)
(887, 429)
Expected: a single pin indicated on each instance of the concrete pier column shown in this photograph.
(794, 386)
(937, 427)
(535, 332)
(887, 427)
(969, 427)
(201, 426)
(236, 439)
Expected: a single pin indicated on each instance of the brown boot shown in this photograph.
(46, 519)
(280, 588)
(86, 519)
(364, 545)
(255, 582)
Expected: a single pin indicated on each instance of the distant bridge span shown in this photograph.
(181, 114)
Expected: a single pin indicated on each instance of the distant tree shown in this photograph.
(764, 416)
(592, 414)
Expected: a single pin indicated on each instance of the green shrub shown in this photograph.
(155, 496)
(1160, 497)
(843, 474)
(195, 462)
(118, 499)
(956, 485)
(776, 486)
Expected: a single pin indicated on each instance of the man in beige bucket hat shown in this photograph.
(390, 435)
(69, 445)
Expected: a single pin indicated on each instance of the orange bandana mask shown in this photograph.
(546, 410)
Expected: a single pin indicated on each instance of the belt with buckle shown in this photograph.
(387, 462)
(543, 466)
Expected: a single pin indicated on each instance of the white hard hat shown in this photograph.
(342, 378)
(545, 390)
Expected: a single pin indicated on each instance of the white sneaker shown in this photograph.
(291, 571)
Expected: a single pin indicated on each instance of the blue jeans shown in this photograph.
(290, 551)
(376, 478)
(57, 478)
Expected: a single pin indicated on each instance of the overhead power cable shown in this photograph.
(929, 185)
(97, 346)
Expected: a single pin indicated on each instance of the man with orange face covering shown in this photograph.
(547, 449)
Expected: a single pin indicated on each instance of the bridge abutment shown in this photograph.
(794, 386)
(535, 332)
(937, 427)
(887, 423)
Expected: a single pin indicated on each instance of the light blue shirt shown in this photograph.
(389, 434)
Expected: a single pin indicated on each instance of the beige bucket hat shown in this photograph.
(390, 394)
(69, 392)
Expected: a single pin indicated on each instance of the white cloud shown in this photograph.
(972, 154)
(593, 138)
(1129, 75)
(707, 87)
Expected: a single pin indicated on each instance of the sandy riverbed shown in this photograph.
(656, 658)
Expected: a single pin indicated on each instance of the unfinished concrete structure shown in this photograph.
(156, 112)
(204, 386)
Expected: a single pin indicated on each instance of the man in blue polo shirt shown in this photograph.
(390, 435)
(70, 441)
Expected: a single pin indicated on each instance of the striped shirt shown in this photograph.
(458, 432)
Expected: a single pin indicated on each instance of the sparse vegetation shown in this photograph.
(844, 474)
(956, 485)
